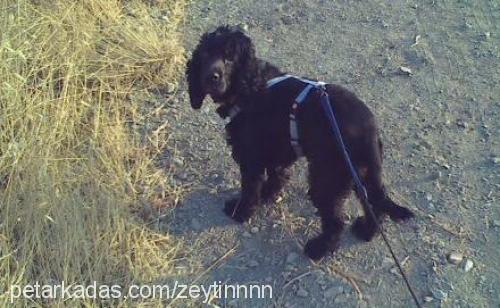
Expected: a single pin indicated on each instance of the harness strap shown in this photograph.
(301, 98)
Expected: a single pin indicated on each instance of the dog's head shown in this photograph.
(215, 62)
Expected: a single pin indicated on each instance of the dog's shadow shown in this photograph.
(198, 212)
(202, 211)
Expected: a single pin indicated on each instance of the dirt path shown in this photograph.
(440, 127)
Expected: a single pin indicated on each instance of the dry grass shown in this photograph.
(73, 164)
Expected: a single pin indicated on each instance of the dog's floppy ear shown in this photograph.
(241, 45)
(193, 71)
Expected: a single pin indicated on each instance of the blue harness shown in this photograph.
(299, 100)
(327, 107)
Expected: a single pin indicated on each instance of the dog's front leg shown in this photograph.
(276, 179)
(241, 209)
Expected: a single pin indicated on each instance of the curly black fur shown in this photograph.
(224, 65)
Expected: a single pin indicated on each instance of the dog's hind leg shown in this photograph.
(328, 190)
(276, 179)
(365, 227)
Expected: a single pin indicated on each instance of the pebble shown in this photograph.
(394, 270)
(439, 294)
(496, 223)
(428, 197)
(405, 70)
(468, 265)
(428, 299)
(243, 27)
(302, 293)
(496, 160)
(246, 234)
(463, 124)
(333, 292)
(455, 258)
(254, 230)
(170, 87)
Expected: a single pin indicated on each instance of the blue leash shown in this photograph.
(360, 188)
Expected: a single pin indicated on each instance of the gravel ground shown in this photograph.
(430, 72)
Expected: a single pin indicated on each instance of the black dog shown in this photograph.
(224, 66)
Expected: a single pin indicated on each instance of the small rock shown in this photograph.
(292, 257)
(254, 230)
(246, 234)
(455, 258)
(439, 294)
(496, 223)
(428, 299)
(487, 35)
(253, 263)
(496, 160)
(333, 292)
(302, 293)
(170, 87)
(462, 124)
(243, 27)
(468, 265)
(405, 70)
(428, 197)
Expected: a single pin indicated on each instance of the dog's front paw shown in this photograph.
(318, 247)
(233, 209)
(364, 230)
(270, 197)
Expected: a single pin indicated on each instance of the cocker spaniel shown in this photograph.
(224, 66)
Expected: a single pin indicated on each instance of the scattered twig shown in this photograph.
(216, 263)
(297, 278)
(351, 279)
